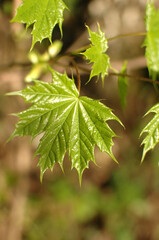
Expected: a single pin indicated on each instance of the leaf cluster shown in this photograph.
(67, 121)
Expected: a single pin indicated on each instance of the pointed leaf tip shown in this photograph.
(96, 54)
(67, 122)
(44, 18)
(152, 131)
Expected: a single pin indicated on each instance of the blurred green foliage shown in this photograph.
(6, 7)
(64, 211)
(117, 209)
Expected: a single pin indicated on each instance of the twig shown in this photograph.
(114, 74)
(135, 77)
(109, 39)
(77, 72)
(128, 35)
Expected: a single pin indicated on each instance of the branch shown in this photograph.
(84, 48)
(135, 77)
(128, 35)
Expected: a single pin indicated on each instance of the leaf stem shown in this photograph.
(77, 72)
(78, 51)
(128, 35)
(132, 76)
(116, 74)
(74, 65)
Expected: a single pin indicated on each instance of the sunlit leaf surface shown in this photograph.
(152, 130)
(152, 39)
(96, 54)
(69, 122)
(43, 14)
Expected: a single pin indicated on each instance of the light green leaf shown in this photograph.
(96, 54)
(43, 14)
(152, 39)
(152, 130)
(69, 122)
(123, 86)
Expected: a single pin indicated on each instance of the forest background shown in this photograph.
(115, 201)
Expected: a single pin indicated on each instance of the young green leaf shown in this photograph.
(152, 130)
(96, 54)
(152, 39)
(43, 14)
(123, 86)
(69, 122)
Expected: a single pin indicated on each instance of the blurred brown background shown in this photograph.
(114, 202)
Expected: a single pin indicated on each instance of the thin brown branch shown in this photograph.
(76, 52)
(128, 35)
(117, 74)
(135, 77)
(77, 68)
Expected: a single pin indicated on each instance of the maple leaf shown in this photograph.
(96, 54)
(152, 38)
(152, 130)
(44, 15)
(69, 122)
